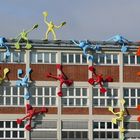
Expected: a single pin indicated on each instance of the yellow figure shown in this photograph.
(51, 26)
(5, 72)
(119, 117)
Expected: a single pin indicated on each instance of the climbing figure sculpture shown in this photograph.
(98, 79)
(121, 41)
(2, 44)
(24, 82)
(85, 46)
(51, 26)
(119, 117)
(31, 112)
(23, 36)
(5, 72)
(62, 78)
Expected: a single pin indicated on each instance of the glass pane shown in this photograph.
(115, 59)
(108, 58)
(109, 102)
(33, 57)
(77, 91)
(1, 124)
(40, 91)
(102, 56)
(71, 60)
(84, 102)
(64, 101)
(1, 134)
(16, 57)
(132, 59)
(14, 134)
(84, 59)
(115, 92)
(33, 101)
(47, 101)
(95, 92)
(95, 125)
(22, 54)
(64, 134)
(46, 90)
(39, 57)
(15, 100)
(78, 103)
(77, 58)
(78, 134)
(53, 100)
(8, 101)
(125, 58)
(21, 134)
(53, 91)
(71, 92)
(126, 102)
(14, 124)
(138, 92)
(102, 102)
(40, 102)
(133, 102)
(102, 125)
(138, 59)
(8, 90)
(115, 134)
(64, 91)
(132, 92)
(71, 102)
(53, 57)
(126, 92)
(109, 125)
(71, 134)
(95, 134)
(115, 102)
(21, 99)
(46, 57)
(14, 90)
(1, 100)
(95, 102)
(102, 134)
(64, 58)
(109, 134)
(1, 56)
(85, 134)
(7, 134)
(84, 91)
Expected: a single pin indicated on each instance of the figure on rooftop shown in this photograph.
(51, 26)
(23, 36)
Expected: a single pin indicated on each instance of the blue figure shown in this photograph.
(2, 44)
(85, 46)
(24, 82)
(121, 40)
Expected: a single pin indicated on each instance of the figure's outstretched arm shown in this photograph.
(45, 20)
(34, 27)
(75, 42)
(62, 24)
(52, 76)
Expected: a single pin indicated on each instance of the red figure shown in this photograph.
(98, 79)
(62, 78)
(31, 113)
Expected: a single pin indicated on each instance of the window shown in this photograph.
(73, 58)
(75, 97)
(132, 97)
(110, 98)
(11, 96)
(15, 57)
(43, 96)
(8, 130)
(75, 129)
(43, 57)
(106, 58)
(131, 59)
(132, 130)
(44, 130)
(103, 130)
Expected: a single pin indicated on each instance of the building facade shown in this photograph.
(82, 112)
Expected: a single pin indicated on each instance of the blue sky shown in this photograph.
(86, 19)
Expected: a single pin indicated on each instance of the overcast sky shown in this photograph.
(86, 19)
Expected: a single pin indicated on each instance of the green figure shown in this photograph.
(51, 26)
(24, 36)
